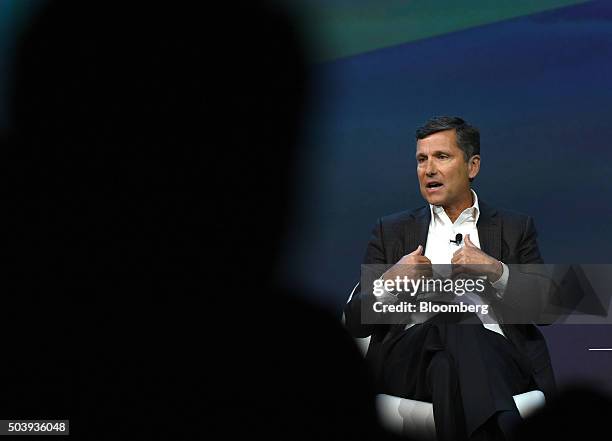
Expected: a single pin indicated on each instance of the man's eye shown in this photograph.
(419, 160)
(442, 156)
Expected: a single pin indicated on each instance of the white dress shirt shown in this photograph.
(439, 250)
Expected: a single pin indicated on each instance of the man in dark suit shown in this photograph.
(469, 369)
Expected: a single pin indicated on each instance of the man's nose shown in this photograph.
(430, 169)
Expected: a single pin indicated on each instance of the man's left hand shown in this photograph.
(472, 260)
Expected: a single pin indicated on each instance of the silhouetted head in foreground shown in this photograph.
(153, 145)
(153, 138)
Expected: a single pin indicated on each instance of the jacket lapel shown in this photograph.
(489, 231)
(416, 234)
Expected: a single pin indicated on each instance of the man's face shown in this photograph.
(444, 175)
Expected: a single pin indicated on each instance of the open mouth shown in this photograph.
(432, 185)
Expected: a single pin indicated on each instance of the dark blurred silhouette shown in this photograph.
(580, 411)
(147, 189)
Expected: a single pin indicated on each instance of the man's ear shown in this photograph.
(473, 166)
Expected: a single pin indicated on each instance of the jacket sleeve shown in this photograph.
(527, 292)
(362, 298)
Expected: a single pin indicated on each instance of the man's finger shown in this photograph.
(420, 259)
(459, 259)
(417, 252)
(457, 270)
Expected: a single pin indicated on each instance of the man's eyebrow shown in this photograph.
(434, 153)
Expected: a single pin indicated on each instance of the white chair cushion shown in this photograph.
(416, 419)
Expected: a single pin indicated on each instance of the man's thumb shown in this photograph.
(468, 241)
(417, 252)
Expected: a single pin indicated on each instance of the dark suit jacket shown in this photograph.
(505, 235)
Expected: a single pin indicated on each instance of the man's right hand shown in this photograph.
(413, 266)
